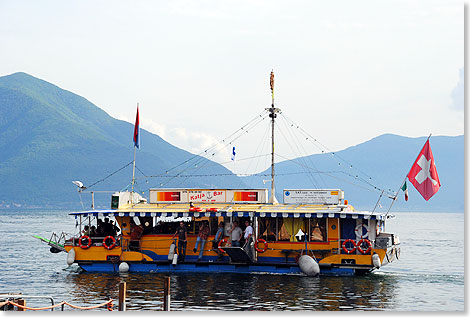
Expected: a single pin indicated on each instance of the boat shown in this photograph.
(311, 232)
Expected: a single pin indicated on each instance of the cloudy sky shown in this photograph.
(346, 71)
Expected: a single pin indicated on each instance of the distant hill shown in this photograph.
(50, 136)
(384, 162)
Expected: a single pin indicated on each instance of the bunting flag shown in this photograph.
(423, 173)
(405, 189)
(136, 129)
(233, 154)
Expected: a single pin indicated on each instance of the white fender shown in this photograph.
(309, 266)
(171, 252)
(123, 267)
(71, 257)
(175, 259)
(376, 260)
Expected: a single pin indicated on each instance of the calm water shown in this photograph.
(428, 277)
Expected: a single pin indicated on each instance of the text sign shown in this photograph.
(313, 196)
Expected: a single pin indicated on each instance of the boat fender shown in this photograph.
(175, 259)
(376, 260)
(123, 267)
(309, 266)
(171, 252)
(71, 257)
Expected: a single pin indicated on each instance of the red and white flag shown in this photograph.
(423, 173)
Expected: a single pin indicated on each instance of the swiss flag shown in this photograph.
(423, 173)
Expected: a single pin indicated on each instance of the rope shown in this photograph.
(109, 304)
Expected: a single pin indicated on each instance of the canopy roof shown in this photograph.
(238, 210)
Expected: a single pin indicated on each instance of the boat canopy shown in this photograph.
(236, 210)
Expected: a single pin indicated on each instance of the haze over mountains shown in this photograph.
(50, 137)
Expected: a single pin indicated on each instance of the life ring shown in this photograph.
(349, 251)
(109, 247)
(195, 209)
(366, 241)
(212, 209)
(220, 245)
(265, 245)
(82, 245)
(360, 231)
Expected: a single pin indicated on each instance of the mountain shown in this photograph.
(383, 162)
(50, 136)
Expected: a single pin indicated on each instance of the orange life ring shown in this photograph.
(220, 244)
(265, 245)
(109, 247)
(212, 209)
(361, 249)
(349, 251)
(195, 209)
(84, 246)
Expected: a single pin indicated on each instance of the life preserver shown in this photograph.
(109, 247)
(360, 231)
(195, 209)
(220, 244)
(349, 251)
(82, 245)
(265, 245)
(361, 249)
(212, 209)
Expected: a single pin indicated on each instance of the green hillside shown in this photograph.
(50, 136)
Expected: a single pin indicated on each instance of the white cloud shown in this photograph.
(458, 92)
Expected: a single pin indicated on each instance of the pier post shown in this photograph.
(166, 295)
(122, 296)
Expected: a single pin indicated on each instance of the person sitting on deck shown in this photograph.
(201, 239)
(236, 234)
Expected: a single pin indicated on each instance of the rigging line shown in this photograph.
(110, 174)
(259, 148)
(205, 151)
(371, 185)
(306, 155)
(312, 178)
(201, 158)
(302, 157)
(245, 158)
(309, 137)
(303, 165)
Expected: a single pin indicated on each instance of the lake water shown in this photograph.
(428, 277)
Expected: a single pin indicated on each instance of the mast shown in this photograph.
(272, 114)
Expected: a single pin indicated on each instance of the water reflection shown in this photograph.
(241, 292)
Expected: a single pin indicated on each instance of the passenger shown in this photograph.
(108, 229)
(100, 228)
(248, 232)
(218, 236)
(201, 239)
(114, 229)
(86, 231)
(182, 240)
(236, 233)
(136, 233)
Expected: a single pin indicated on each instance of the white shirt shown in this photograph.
(248, 231)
